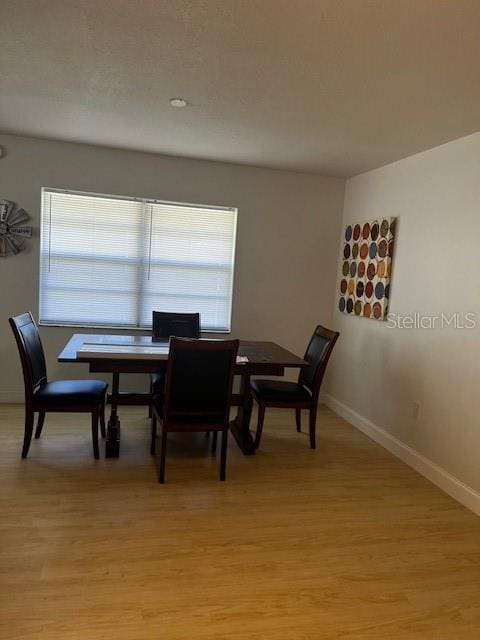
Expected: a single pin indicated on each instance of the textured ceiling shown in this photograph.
(329, 86)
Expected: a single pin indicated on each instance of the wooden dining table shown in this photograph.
(117, 354)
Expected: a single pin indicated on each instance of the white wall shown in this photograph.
(377, 372)
(288, 228)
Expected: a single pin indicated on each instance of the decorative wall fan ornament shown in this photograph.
(13, 231)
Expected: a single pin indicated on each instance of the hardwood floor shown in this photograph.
(342, 542)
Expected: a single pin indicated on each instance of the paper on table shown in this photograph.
(242, 359)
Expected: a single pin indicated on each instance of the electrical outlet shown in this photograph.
(415, 410)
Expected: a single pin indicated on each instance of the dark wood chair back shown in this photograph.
(199, 380)
(180, 325)
(41, 396)
(317, 354)
(31, 352)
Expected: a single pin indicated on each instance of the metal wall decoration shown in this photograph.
(13, 231)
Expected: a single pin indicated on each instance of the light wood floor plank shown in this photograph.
(342, 542)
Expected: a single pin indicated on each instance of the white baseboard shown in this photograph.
(12, 397)
(444, 480)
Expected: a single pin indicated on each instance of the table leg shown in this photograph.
(240, 425)
(112, 443)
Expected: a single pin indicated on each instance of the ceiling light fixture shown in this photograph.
(178, 102)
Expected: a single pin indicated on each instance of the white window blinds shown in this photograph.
(107, 261)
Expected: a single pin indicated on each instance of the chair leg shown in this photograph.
(298, 419)
(223, 457)
(163, 452)
(41, 419)
(150, 411)
(261, 417)
(312, 425)
(102, 419)
(96, 452)
(153, 438)
(214, 442)
(29, 419)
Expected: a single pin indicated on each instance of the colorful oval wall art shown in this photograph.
(367, 255)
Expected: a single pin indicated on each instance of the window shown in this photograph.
(108, 261)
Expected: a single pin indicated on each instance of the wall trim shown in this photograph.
(12, 397)
(424, 466)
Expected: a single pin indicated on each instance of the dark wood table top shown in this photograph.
(259, 354)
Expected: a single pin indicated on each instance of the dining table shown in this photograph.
(123, 354)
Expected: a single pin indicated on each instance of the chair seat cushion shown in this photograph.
(279, 391)
(158, 383)
(71, 392)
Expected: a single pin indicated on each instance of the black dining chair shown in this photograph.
(180, 325)
(197, 394)
(164, 326)
(302, 394)
(41, 396)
